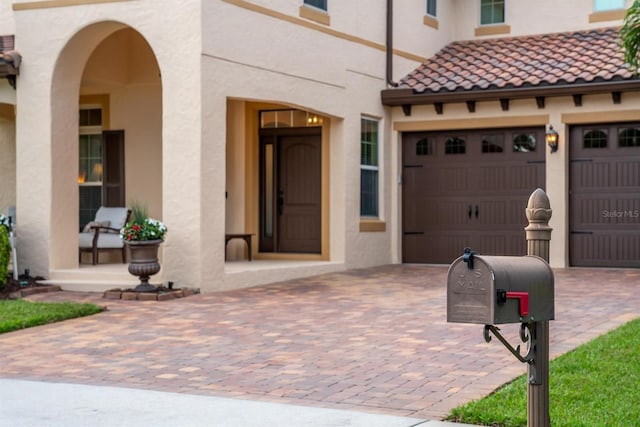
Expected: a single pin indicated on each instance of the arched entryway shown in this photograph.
(107, 132)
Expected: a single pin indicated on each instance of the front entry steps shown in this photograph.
(98, 278)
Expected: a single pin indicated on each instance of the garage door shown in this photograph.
(468, 188)
(605, 195)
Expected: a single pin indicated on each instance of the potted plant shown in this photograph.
(143, 236)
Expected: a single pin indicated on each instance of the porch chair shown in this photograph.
(103, 233)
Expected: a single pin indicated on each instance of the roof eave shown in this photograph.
(7, 69)
(398, 97)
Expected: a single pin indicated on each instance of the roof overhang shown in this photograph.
(404, 97)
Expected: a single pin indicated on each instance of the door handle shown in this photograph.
(470, 211)
(476, 211)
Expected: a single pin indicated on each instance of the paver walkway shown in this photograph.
(372, 340)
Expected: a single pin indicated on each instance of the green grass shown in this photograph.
(597, 384)
(20, 314)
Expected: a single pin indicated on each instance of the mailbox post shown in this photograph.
(538, 234)
(493, 290)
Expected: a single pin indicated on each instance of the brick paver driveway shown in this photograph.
(371, 340)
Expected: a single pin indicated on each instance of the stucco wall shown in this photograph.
(48, 92)
(546, 16)
(7, 164)
(186, 124)
(7, 24)
(297, 66)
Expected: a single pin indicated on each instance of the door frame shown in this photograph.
(270, 246)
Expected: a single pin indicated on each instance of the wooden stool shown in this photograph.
(245, 237)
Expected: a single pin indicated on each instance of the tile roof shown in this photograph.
(545, 60)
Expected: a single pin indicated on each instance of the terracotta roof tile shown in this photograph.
(514, 62)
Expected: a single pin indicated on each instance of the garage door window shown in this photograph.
(595, 138)
(493, 143)
(424, 147)
(454, 145)
(524, 143)
(629, 137)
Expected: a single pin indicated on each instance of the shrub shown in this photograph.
(5, 252)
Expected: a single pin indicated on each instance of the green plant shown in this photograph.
(594, 385)
(630, 35)
(20, 314)
(142, 227)
(5, 249)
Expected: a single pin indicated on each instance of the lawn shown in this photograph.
(20, 314)
(597, 384)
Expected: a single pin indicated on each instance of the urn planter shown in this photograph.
(144, 262)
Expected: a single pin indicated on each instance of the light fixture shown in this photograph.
(552, 139)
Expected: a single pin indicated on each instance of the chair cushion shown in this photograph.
(87, 228)
(115, 216)
(105, 240)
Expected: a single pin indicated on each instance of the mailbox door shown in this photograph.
(470, 293)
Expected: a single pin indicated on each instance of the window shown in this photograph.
(491, 12)
(289, 119)
(431, 8)
(368, 167)
(90, 163)
(595, 138)
(600, 5)
(320, 4)
(524, 143)
(454, 145)
(629, 137)
(424, 147)
(493, 143)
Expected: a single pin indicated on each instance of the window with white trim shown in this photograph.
(369, 167)
(432, 8)
(90, 162)
(492, 12)
(602, 5)
(320, 4)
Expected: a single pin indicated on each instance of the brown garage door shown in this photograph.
(468, 188)
(605, 195)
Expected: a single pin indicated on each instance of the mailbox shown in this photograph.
(499, 289)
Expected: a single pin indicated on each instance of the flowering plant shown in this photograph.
(142, 227)
(5, 221)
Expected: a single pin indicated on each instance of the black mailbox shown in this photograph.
(499, 289)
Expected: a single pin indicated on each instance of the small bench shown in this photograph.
(245, 237)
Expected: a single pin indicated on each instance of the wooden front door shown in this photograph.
(291, 191)
(468, 188)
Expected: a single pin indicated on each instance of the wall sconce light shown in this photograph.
(552, 139)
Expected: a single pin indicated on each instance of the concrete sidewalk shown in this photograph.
(38, 404)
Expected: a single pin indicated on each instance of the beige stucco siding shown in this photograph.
(7, 163)
(525, 18)
(185, 82)
(50, 88)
